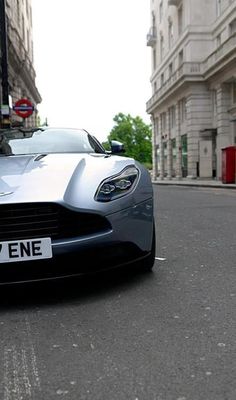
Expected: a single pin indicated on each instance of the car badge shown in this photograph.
(5, 193)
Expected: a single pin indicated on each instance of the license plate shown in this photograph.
(25, 250)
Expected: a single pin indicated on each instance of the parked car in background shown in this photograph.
(69, 207)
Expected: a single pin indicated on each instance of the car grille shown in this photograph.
(35, 220)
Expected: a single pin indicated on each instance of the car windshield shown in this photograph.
(48, 140)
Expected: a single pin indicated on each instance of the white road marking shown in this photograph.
(20, 371)
(160, 259)
(32, 356)
(26, 374)
(7, 379)
(16, 374)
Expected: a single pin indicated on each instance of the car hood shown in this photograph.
(72, 179)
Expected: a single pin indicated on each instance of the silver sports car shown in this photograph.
(69, 207)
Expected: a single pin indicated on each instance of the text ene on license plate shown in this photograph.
(25, 250)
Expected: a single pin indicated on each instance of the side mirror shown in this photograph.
(117, 147)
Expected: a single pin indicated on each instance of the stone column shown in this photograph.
(223, 138)
(161, 149)
(169, 147)
(154, 146)
(199, 117)
(178, 144)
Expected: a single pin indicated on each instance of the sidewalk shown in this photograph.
(195, 182)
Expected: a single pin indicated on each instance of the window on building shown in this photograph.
(234, 92)
(18, 11)
(172, 117)
(170, 34)
(165, 151)
(218, 40)
(158, 153)
(232, 27)
(214, 102)
(184, 147)
(180, 20)
(173, 148)
(163, 122)
(154, 59)
(170, 69)
(162, 49)
(181, 58)
(182, 110)
(23, 28)
(28, 40)
(32, 51)
(155, 87)
(153, 19)
(218, 8)
(30, 10)
(162, 79)
(27, 8)
(161, 10)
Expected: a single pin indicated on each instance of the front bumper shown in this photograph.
(128, 241)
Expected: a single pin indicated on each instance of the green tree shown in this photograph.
(135, 135)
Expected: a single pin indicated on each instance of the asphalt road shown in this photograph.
(168, 335)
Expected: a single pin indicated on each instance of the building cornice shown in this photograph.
(219, 58)
(222, 19)
(189, 33)
(188, 72)
(217, 61)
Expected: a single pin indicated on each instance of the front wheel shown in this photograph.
(147, 264)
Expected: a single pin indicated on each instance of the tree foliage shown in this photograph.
(135, 135)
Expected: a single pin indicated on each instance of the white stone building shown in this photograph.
(193, 105)
(20, 56)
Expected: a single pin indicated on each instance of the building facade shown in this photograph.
(20, 57)
(193, 103)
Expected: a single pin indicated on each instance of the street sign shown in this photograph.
(5, 110)
(24, 108)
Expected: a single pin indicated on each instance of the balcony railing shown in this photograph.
(226, 48)
(187, 71)
(152, 37)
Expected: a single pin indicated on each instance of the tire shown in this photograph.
(147, 264)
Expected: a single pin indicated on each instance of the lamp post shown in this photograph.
(5, 109)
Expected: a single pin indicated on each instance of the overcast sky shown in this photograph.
(91, 61)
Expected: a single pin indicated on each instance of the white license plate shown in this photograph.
(25, 250)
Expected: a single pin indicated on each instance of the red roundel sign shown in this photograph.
(24, 108)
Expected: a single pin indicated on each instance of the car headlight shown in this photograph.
(118, 185)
